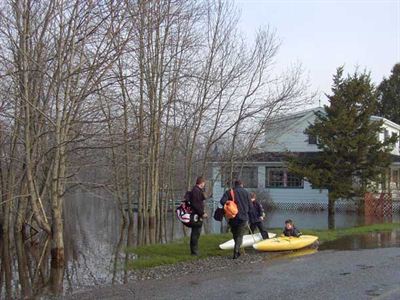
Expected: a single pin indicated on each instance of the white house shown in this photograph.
(266, 172)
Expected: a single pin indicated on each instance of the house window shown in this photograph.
(275, 177)
(293, 181)
(386, 134)
(312, 139)
(281, 178)
(248, 175)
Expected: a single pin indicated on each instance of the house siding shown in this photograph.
(391, 129)
(280, 197)
(290, 137)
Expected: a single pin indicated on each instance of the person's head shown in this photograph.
(289, 224)
(200, 182)
(237, 183)
(253, 196)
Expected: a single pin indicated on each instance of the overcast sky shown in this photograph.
(323, 35)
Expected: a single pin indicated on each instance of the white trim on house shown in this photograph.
(386, 121)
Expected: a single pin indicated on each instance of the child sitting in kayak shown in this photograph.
(290, 229)
(256, 216)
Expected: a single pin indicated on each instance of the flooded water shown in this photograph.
(364, 241)
(95, 242)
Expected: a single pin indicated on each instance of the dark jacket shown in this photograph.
(242, 198)
(291, 232)
(256, 212)
(197, 200)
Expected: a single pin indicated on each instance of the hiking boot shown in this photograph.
(236, 255)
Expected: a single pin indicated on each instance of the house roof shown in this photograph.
(265, 157)
(277, 156)
(386, 121)
(297, 115)
(304, 114)
(271, 157)
(289, 122)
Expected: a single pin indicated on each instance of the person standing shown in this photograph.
(257, 216)
(239, 223)
(197, 204)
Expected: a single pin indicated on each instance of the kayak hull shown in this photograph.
(248, 241)
(285, 243)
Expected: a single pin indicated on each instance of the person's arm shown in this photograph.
(225, 197)
(261, 211)
(197, 202)
(296, 232)
(251, 206)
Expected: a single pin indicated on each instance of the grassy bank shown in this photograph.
(178, 251)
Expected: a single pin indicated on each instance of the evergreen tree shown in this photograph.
(389, 96)
(351, 154)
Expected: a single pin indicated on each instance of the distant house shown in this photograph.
(266, 173)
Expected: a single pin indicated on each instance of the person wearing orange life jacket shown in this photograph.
(239, 223)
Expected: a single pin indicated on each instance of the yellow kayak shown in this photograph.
(285, 243)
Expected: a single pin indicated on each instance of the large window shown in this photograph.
(248, 175)
(281, 178)
(276, 177)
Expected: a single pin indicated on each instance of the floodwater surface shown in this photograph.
(364, 241)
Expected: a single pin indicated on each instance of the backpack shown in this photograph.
(185, 214)
(230, 207)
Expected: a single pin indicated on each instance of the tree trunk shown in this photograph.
(6, 267)
(23, 266)
(331, 211)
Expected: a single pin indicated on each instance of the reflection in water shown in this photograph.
(95, 243)
(290, 254)
(364, 241)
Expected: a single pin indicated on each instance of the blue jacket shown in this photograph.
(256, 212)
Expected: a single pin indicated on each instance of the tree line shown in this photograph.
(129, 97)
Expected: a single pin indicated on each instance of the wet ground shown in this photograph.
(342, 270)
(359, 274)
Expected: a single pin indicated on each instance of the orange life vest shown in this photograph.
(230, 207)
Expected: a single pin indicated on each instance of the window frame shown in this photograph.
(312, 139)
(286, 175)
(238, 174)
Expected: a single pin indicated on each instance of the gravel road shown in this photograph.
(357, 274)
